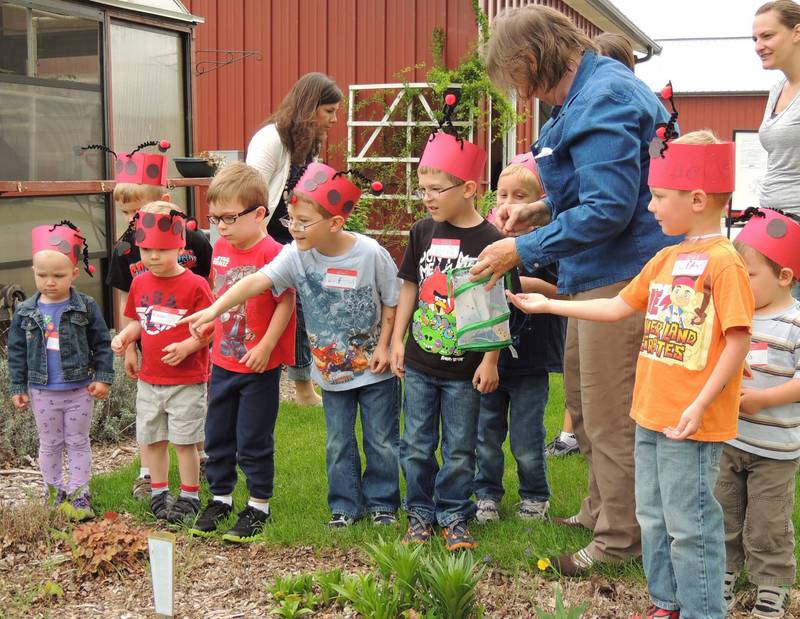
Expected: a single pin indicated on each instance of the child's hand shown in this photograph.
(131, 363)
(751, 401)
(531, 303)
(175, 353)
(747, 372)
(257, 358)
(119, 344)
(380, 360)
(396, 359)
(196, 321)
(486, 378)
(99, 391)
(688, 424)
(20, 400)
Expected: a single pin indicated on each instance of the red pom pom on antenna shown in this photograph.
(377, 186)
(450, 99)
(661, 132)
(666, 92)
(91, 269)
(191, 224)
(293, 199)
(164, 145)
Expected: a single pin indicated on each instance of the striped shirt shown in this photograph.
(774, 359)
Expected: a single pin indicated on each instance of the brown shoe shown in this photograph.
(577, 564)
(572, 521)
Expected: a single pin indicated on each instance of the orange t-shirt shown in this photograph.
(692, 294)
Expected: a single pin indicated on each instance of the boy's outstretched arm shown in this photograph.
(405, 309)
(247, 287)
(737, 344)
(257, 358)
(753, 400)
(601, 310)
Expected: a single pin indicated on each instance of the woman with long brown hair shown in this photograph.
(289, 140)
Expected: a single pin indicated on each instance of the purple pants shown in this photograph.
(63, 419)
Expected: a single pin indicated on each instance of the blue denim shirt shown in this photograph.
(592, 156)
(83, 338)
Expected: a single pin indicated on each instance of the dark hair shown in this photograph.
(787, 10)
(295, 119)
(617, 47)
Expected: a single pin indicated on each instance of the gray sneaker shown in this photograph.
(557, 447)
(727, 591)
(487, 511)
(771, 602)
(533, 510)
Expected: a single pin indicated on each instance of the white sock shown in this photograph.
(568, 438)
(227, 499)
(262, 507)
(144, 472)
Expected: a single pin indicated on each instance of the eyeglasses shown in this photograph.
(300, 227)
(420, 193)
(229, 220)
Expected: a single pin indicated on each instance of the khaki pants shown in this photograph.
(757, 497)
(599, 370)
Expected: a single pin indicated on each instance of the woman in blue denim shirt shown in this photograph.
(592, 155)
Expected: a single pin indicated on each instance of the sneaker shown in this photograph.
(654, 612)
(487, 511)
(771, 602)
(557, 447)
(383, 519)
(141, 488)
(418, 532)
(727, 590)
(248, 527)
(159, 505)
(184, 510)
(340, 521)
(78, 509)
(214, 513)
(457, 536)
(533, 510)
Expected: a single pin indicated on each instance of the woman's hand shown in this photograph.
(518, 219)
(495, 260)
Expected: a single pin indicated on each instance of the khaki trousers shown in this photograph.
(599, 370)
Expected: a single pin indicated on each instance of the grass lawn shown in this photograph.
(300, 510)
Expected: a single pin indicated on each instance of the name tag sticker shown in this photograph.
(340, 278)
(165, 316)
(52, 342)
(445, 248)
(758, 354)
(691, 265)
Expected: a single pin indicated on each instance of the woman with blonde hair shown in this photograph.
(288, 141)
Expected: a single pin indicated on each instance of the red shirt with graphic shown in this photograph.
(158, 303)
(242, 327)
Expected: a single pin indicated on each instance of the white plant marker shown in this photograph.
(162, 571)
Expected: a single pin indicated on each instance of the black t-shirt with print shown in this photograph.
(433, 248)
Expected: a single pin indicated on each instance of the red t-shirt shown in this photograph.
(158, 303)
(242, 327)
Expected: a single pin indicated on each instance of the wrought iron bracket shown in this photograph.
(224, 57)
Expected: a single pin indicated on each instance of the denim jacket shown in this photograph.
(592, 156)
(83, 338)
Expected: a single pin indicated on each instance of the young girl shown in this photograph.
(59, 357)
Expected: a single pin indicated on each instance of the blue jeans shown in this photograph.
(683, 537)
(434, 493)
(301, 370)
(378, 489)
(527, 398)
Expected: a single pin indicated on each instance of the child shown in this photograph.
(442, 383)
(757, 469)
(251, 341)
(142, 182)
(524, 385)
(347, 284)
(58, 352)
(171, 393)
(686, 396)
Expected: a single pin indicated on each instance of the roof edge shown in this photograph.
(186, 17)
(605, 15)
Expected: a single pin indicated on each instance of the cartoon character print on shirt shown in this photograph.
(50, 332)
(156, 313)
(235, 333)
(343, 327)
(679, 322)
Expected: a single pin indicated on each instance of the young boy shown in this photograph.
(171, 392)
(517, 407)
(348, 287)
(136, 187)
(699, 308)
(251, 341)
(442, 383)
(757, 469)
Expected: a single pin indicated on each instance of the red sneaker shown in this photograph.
(654, 612)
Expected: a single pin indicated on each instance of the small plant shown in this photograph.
(451, 582)
(215, 160)
(371, 597)
(403, 563)
(286, 587)
(104, 546)
(561, 611)
(291, 607)
(327, 581)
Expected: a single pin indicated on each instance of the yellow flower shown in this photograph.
(543, 564)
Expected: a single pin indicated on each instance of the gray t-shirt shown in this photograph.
(342, 298)
(774, 359)
(779, 134)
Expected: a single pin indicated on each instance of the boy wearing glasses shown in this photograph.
(252, 339)
(347, 284)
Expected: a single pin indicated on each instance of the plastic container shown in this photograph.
(481, 315)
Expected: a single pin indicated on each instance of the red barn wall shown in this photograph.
(720, 113)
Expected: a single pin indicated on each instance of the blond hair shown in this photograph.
(129, 193)
(700, 137)
(533, 47)
(532, 183)
(309, 201)
(158, 207)
(450, 178)
(238, 182)
(617, 47)
(787, 10)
